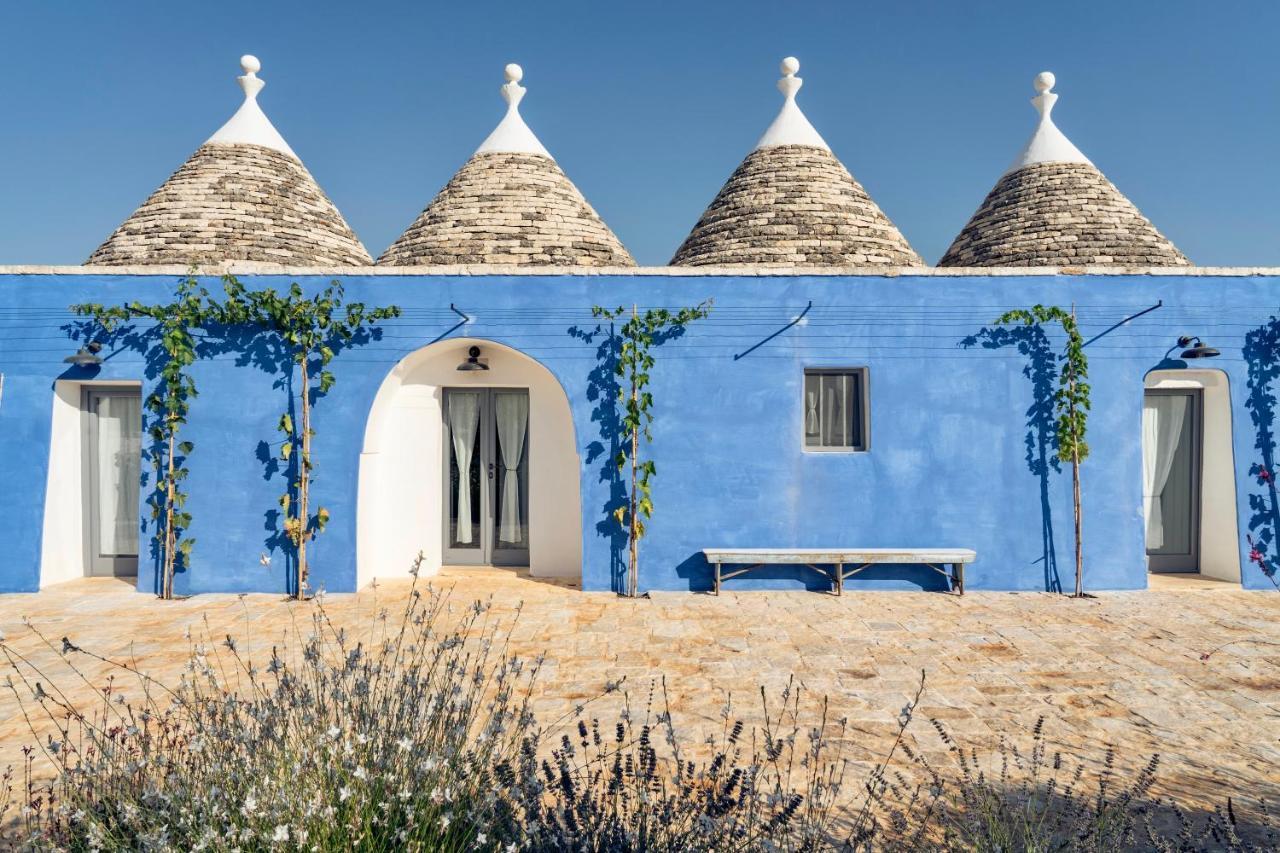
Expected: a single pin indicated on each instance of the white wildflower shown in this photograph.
(281, 833)
(481, 838)
(334, 732)
(445, 819)
(361, 773)
(343, 793)
(404, 743)
(250, 805)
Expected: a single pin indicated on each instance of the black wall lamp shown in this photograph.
(86, 356)
(473, 361)
(1200, 350)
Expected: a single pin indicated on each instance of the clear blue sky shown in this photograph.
(648, 106)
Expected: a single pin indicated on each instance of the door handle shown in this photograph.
(490, 470)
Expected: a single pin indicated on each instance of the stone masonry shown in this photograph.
(508, 208)
(235, 203)
(794, 206)
(1059, 214)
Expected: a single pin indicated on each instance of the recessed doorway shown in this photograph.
(112, 453)
(486, 476)
(1172, 438)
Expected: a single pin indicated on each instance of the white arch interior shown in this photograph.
(401, 499)
(1219, 528)
(63, 548)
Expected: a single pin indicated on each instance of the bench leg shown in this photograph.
(957, 573)
(839, 578)
(717, 577)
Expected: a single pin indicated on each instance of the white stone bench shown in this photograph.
(749, 559)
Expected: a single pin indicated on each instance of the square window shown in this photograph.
(835, 409)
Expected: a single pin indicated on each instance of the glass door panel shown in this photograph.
(465, 486)
(1171, 479)
(486, 476)
(511, 431)
(114, 475)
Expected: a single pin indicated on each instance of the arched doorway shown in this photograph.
(470, 467)
(1188, 467)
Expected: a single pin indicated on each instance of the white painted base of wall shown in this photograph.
(401, 499)
(62, 550)
(1219, 525)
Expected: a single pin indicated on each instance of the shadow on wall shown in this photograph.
(700, 576)
(268, 352)
(146, 342)
(1041, 441)
(253, 347)
(1261, 350)
(605, 392)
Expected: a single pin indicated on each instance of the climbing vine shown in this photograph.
(1071, 403)
(638, 335)
(311, 330)
(169, 404)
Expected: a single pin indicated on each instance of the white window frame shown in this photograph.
(862, 407)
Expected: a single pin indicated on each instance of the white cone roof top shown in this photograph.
(250, 125)
(790, 127)
(512, 135)
(1047, 144)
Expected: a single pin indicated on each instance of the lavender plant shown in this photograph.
(415, 734)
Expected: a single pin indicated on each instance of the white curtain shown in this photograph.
(512, 412)
(1163, 416)
(464, 418)
(811, 411)
(119, 452)
(834, 404)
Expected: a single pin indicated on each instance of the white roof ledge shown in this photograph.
(171, 271)
(250, 125)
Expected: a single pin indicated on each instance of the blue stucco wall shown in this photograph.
(958, 452)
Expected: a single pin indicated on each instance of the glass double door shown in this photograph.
(486, 476)
(112, 476)
(1171, 446)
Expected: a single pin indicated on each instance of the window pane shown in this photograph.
(855, 409)
(812, 410)
(834, 427)
(834, 409)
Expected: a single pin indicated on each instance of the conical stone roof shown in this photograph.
(1054, 208)
(791, 203)
(510, 203)
(242, 196)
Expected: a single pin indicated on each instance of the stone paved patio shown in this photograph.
(1122, 668)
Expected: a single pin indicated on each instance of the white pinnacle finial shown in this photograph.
(1047, 144)
(250, 82)
(790, 83)
(512, 135)
(790, 127)
(250, 125)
